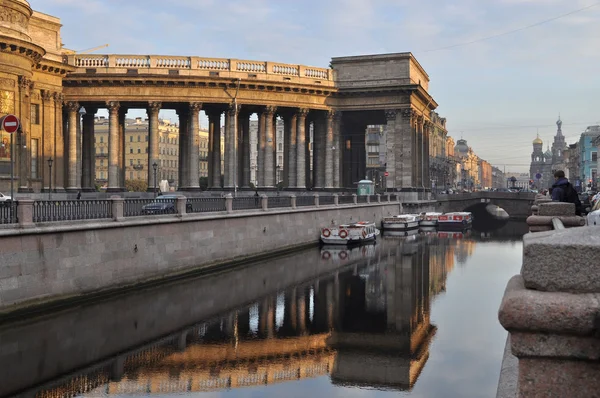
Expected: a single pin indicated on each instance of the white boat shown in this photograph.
(430, 219)
(402, 222)
(461, 219)
(360, 232)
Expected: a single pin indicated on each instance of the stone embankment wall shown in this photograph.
(39, 264)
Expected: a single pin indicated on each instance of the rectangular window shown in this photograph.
(35, 114)
(102, 140)
(139, 150)
(34, 158)
(131, 175)
(131, 162)
(130, 150)
(280, 146)
(139, 138)
(594, 156)
(130, 138)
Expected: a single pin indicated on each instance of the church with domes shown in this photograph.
(543, 164)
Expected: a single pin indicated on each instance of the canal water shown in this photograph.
(412, 316)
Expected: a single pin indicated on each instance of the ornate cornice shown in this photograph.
(391, 114)
(53, 67)
(22, 48)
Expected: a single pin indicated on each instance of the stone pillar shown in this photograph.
(551, 312)
(25, 212)
(301, 153)
(426, 143)
(88, 152)
(393, 168)
(318, 135)
(184, 160)
(230, 147)
(79, 161)
(337, 149)
(229, 203)
(214, 119)
(23, 145)
(59, 167)
(244, 127)
(122, 146)
(269, 178)
(329, 149)
(291, 137)
(262, 140)
(72, 109)
(113, 147)
(48, 139)
(193, 148)
(153, 142)
(405, 131)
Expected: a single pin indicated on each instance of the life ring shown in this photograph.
(343, 255)
(326, 232)
(343, 234)
(326, 255)
(364, 234)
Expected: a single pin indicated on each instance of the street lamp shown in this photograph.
(154, 167)
(50, 161)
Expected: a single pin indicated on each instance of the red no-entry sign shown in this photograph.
(386, 174)
(10, 123)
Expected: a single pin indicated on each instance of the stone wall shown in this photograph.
(47, 263)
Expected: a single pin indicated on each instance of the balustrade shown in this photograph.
(91, 61)
(248, 66)
(142, 207)
(362, 199)
(247, 203)
(202, 205)
(132, 62)
(305, 201)
(174, 62)
(279, 201)
(70, 210)
(345, 200)
(8, 213)
(326, 200)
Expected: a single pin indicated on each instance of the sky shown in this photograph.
(496, 93)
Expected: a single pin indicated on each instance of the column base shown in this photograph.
(112, 190)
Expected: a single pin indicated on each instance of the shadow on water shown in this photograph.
(360, 316)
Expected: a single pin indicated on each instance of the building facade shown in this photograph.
(439, 161)
(467, 166)
(498, 179)
(588, 156)
(485, 175)
(544, 164)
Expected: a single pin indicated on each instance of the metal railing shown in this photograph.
(373, 198)
(247, 203)
(70, 210)
(362, 199)
(279, 201)
(305, 201)
(142, 207)
(345, 200)
(203, 205)
(393, 198)
(326, 200)
(8, 212)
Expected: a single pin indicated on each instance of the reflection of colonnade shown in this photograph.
(298, 171)
(367, 323)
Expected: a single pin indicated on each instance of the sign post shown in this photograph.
(10, 124)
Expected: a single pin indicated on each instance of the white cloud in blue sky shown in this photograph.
(486, 90)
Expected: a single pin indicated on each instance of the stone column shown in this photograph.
(183, 114)
(23, 145)
(405, 132)
(269, 171)
(329, 149)
(230, 147)
(420, 150)
(214, 119)
(79, 161)
(244, 127)
(291, 137)
(88, 166)
(48, 138)
(113, 147)
(319, 142)
(193, 147)
(426, 144)
(58, 169)
(73, 115)
(153, 142)
(262, 140)
(394, 169)
(122, 146)
(301, 148)
(337, 149)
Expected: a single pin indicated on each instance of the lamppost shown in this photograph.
(50, 161)
(154, 167)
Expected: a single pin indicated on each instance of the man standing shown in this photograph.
(563, 191)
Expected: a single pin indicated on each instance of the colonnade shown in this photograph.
(298, 171)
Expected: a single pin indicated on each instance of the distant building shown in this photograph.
(375, 148)
(468, 166)
(498, 179)
(588, 153)
(544, 164)
(485, 174)
(439, 162)
(573, 169)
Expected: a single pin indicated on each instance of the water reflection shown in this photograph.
(365, 320)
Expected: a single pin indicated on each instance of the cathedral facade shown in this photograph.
(544, 164)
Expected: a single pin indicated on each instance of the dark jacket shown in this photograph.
(559, 190)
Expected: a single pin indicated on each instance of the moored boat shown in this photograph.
(461, 219)
(430, 219)
(402, 222)
(359, 232)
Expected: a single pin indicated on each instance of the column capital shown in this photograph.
(331, 114)
(47, 95)
(25, 83)
(90, 112)
(153, 107)
(391, 114)
(195, 106)
(233, 109)
(213, 113)
(408, 113)
(59, 98)
(72, 106)
(302, 112)
(270, 110)
(113, 106)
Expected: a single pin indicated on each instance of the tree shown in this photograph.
(137, 186)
